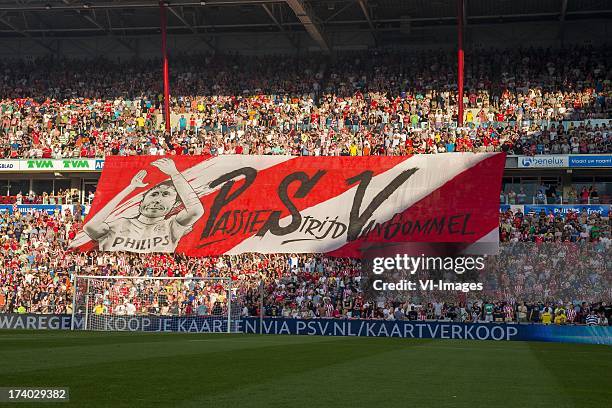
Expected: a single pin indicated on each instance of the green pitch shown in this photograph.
(192, 370)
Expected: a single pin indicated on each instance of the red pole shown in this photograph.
(460, 61)
(164, 25)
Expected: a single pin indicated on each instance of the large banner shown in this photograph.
(282, 204)
(322, 327)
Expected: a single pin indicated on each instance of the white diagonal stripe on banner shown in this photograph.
(421, 184)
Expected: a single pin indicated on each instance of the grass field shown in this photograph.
(192, 370)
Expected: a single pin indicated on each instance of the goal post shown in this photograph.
(149, 303)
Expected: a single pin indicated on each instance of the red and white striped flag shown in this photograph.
(203, 205)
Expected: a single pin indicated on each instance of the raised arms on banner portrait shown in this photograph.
(152, 230)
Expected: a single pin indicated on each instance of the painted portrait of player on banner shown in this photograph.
(152, 230)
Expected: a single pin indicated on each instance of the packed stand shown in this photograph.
(581, 227)
(546, 263)
(369, 103)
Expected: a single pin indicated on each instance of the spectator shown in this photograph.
(592, 319)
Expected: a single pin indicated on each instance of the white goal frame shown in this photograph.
(88, 278)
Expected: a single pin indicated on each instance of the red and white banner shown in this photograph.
(202, 205)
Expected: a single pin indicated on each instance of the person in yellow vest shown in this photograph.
(98, 309)
(546, 316)
(21, 309)
(560, 318)
(469, 117)
(559, 310)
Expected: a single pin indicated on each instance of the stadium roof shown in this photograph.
(41, 19)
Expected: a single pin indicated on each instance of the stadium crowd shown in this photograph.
(550, 270)
(369, 103)
(515, 226)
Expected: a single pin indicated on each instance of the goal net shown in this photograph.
(162, 304)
